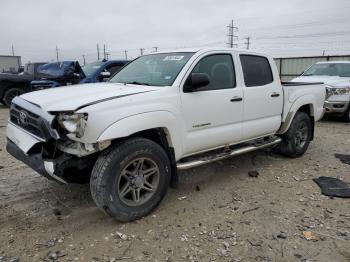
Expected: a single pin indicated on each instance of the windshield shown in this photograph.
(329, 69)
(155, 69)
(91, 68)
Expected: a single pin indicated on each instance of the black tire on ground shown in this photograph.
(11, 94)
(297, 139)
(130, 162)
(346, 115)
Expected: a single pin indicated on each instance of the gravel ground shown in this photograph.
(219, 212)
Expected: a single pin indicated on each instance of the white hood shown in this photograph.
(70, 98)
(328, 80)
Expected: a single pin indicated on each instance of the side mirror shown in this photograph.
(195, 81)
(104, 75)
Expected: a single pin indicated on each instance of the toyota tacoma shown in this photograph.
(161, 113)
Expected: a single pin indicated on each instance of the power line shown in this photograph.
(104, 51)
(84, 60)
(98, 52)
(56, 53)
(231, 35)
(248, 42)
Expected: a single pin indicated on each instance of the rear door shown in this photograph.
(263, 97)
(213, 113)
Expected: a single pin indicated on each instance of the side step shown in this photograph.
(216, 155)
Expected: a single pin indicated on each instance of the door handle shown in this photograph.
(274, 94)
(236, 99)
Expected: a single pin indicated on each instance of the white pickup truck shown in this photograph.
(336, 75)
(161, 113)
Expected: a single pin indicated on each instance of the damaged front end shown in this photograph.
(44, 142)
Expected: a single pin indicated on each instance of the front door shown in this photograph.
(213, 113)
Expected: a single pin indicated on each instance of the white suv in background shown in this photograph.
(336, 75)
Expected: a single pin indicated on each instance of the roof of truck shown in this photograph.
(333, 62)
(207, 49)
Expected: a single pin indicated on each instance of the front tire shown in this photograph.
(297, 139)
(11, 94)
(130, 179)
(346, 116)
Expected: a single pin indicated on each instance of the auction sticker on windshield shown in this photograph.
(173, 58)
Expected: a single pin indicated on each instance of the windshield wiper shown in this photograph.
(137, 83)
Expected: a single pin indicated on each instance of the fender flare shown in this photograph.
(144, 121)
(300, 102)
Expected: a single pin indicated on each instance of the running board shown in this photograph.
(229, 153)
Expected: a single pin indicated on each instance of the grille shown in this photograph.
(27, 120)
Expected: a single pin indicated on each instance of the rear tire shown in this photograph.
(297, 139)
(11, 94)
(130, 179)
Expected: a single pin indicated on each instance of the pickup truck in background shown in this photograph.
(57, 74)
(60, 73)
(38, 76)
(336, 75)
(161, 113)
(12, 85)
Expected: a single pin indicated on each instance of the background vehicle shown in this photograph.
(12, 85)
(336, 75)
(98, 71)
(57, 74)
(162, 112)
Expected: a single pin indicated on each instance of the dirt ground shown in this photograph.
(218, 213)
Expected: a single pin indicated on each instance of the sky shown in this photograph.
(282, 28)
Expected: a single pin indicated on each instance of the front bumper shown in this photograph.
(336, 107)
(34, 161)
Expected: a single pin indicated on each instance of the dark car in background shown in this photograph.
(38, 76)
(58, 74)
(12, 85)
(100, 71)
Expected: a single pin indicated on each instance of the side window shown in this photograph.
(114, 68)
(256, 70)
(220, 71)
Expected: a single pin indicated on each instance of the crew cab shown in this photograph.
(161, 113)
(336, 75)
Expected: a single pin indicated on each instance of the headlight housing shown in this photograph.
(73, 123)
(338, 90)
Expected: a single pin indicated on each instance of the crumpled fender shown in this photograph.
(144, 121)
(298, 103)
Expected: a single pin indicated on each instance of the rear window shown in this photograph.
(256, 70)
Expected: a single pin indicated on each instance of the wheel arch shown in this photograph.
(299, 106)
(160, 126)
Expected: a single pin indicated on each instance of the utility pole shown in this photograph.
(98, 52)
(231, 35)
(84, 60)
(107, 55)
(141, 51)
(13, 50)
(104, 51)
(56, 53)
(155, 49)
(126, 54)
(323, 53)
(248, 42)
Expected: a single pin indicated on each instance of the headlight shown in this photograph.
(339, 90)
(74, 123)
